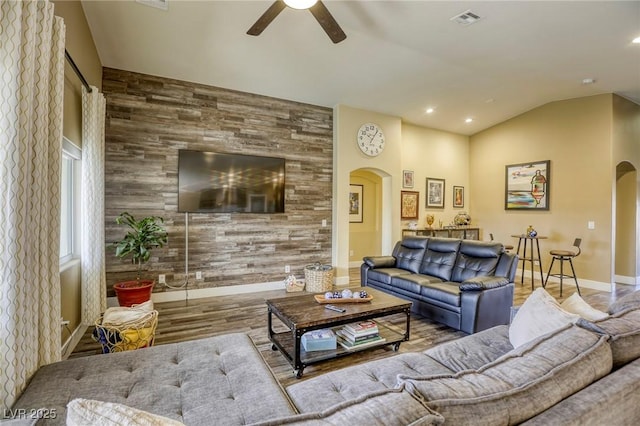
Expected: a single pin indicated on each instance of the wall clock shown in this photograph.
(370, 139)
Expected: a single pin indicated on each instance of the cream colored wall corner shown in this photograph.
(433, 153)
(364, 237)
(576, 136)
(347, 158)
(626, 135)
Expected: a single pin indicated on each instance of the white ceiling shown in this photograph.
(399, 58)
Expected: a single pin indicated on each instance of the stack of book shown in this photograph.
(359, 334)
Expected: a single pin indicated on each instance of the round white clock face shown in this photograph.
(370, 139)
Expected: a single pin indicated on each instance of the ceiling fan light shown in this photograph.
(300, 4)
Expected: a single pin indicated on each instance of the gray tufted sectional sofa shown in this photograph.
(467, 285)
(579, 374)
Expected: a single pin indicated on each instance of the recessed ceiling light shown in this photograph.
(430, 110)
(300, 4)
(636, 40)
(468, 120)
(587, 81)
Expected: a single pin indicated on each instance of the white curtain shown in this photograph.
(31, 88)
(94, 291)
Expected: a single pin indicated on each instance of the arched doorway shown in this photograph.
(626, 228)
(369, 221)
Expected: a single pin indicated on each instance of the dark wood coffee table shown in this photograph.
(302, 313)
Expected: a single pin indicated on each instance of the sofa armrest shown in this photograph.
(380, 261)
(483, 283)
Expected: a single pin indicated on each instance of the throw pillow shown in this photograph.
(539, 314)
(82, 412)
(576, 305)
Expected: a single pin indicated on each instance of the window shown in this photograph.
(69, 201)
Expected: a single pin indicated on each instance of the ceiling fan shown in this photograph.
(317, 9)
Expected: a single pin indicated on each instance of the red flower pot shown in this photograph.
(133, 292)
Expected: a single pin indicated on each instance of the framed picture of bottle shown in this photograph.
(527, 186)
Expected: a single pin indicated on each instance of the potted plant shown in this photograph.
(143, 236)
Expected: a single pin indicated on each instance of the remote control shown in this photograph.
(334, 308)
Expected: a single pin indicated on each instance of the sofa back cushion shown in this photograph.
(476, 258)
(409, 253)
(624, 329)
(520, 384)
(440, 257)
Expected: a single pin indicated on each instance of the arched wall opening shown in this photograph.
(370, 214)
(626, 224)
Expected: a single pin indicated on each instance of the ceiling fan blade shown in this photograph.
(266, 18)
(326, 21)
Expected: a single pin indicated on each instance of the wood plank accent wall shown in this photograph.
(150, 118)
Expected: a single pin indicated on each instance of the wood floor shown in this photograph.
(247, 313)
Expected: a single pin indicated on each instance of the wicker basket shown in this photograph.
(318, 278)
(129, 336)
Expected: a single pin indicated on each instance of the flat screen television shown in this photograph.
(212, 182)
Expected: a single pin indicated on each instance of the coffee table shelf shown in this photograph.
(302, 314)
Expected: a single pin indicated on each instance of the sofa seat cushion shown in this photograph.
(385, 275)
(388, 407)
(520, 384)
(414, 282)
(482, 282)
(447, 293)
(220, 380)
(322, 392)
(473, 351)
(624, 329)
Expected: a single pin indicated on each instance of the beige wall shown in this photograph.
(79, 44)
(576, 136)
(365, 237)
(437, 154)
(347, 157)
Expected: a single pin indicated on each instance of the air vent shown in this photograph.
(466, 18)
(159, 4)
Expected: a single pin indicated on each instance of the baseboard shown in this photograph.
(568, 282)
(73, 340)
(622, 279)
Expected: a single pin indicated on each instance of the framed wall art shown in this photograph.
(435, 193)
(407, 178)
(409, 202)
(355, 203)
(527, 186)
(458, 196)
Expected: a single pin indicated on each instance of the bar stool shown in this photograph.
(507, 247)
(562, 256)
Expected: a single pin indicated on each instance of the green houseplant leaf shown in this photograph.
(143, 236)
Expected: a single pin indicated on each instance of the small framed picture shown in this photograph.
(458, 196)
(355, 203)
(435, 193)
(407, 178)
(409, 202)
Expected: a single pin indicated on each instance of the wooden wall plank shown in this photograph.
(150, 118)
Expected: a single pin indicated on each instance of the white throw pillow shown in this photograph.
(82, 412)
(576, 305)
(539, 314)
